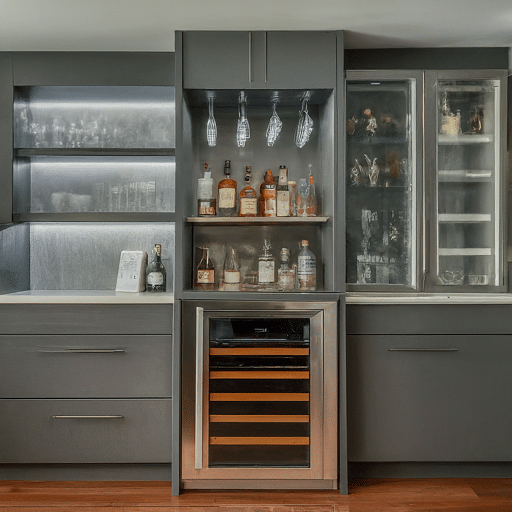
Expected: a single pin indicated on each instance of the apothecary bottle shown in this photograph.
(248, 198)
(231, 268)
(266, 266)
(306, 269)
(268, 196)
(311, 203)
(227, 193)
(285, 274)
(205, 273)
(283, 194)
(206, 202)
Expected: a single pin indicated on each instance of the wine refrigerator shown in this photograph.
(259, 395)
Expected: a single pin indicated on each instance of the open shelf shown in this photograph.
(256, 220)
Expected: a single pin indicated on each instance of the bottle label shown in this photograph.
(206, 207)
(306, 265)
(248, 206)
(206, 276)
(266, 271)
(306, 273)
(155, 278)
(283, 203)
(227, 197)
(231, 276)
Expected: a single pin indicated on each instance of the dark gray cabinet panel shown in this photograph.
(6, 100)
(93, 68)
(429, 398)
(85, 431)
(86, 319)
(85, 366)
(216, 60)
(305, 60)
(259, 60)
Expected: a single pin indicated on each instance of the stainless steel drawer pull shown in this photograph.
(87, 417)
(423, 349)
(84, 351)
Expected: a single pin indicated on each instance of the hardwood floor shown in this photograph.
(376, 495)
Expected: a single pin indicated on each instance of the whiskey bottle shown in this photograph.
(206, 202)
(283, 194)
(285, 274)
(306, 269)
(231, 271)
(227, 193)
(311, 203)
(268, 195)
(205, 273)
(156, 275)
(266, 266)
(248, 198)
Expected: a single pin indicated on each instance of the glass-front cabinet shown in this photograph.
(383, 179)
(466, 227)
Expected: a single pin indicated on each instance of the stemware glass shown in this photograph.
(274, 127)
(211, 125)
(242, 130)
(305, 126)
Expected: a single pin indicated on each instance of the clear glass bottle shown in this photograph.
(205, 273)
(206, 202)
(311, 204)
(283, 194)
(302, 198)
(266, 266)
(292, 187)
(306, 269)
(227, 193)
(267, 197)
(285, 274)
(248, 198)
(156, 275)
(231, 269)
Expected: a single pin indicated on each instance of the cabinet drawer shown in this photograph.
(86, 319)
(85, 366)
(85, 431)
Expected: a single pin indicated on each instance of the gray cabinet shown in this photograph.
(74, 391)
(259, 60)
(429, 398)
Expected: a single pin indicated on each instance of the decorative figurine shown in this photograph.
(393, 164)
(351, 125)
(475, 122)
(389, 125)
(357, 174)
(371, 123)
(373, 171)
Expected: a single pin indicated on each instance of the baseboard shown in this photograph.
(430, 470)
(127, 472)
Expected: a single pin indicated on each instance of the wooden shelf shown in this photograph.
(247, 221)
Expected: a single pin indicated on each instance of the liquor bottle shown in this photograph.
(306, 269)
(248, 198)
(155, 273)
(231, 267)
(206, 202)
(205, 273)
(268, 195)
(283, 194)
(266, 266)
(285, 274)
(227, 193)
(311, 203)
(302, 198)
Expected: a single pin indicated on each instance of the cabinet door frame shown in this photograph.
(432, 77)
(6, 137)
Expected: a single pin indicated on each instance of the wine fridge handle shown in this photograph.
(199, 389)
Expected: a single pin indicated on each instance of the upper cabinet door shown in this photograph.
(5, 138)
(259, 60)
(216, 60)
(301, 60)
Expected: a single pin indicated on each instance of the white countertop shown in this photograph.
(428, 298)
(85, 297)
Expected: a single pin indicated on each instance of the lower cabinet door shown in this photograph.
(429, 398)
(85, 431)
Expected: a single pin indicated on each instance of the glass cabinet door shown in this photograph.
(383, 143)
(466, 239)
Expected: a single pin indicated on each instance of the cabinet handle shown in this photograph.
(199, 390)
(86, 417)
(84, 351)
(423, 349)
(250, 57)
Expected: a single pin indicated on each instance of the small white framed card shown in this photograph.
(131, 276)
